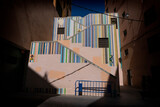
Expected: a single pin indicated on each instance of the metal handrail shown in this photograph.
(93, 86)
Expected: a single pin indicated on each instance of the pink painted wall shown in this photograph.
(50, 65)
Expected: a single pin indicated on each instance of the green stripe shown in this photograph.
(72, 57)
(69, 56)
(75, 39)
(66, 55)
(109, 43)
(64, 90)
(74, 28)
(39, 48)
(34, 48)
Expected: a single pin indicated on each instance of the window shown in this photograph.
(120, 59)
(103, 43)
(125, 32)
(60, 30)
(114, 21)
(114, 9)
(150, 16)
(126, 52)
(153, 43)
(129, 76)
(107, 10)
(123, 14)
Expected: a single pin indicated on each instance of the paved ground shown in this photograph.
(128, 97)
(23, 99)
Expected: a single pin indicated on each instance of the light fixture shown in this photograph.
(126, 15)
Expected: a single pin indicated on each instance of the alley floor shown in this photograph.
(128, 97)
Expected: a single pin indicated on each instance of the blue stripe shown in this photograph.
(96, 36)
(109, 42)
(43, 47)
(31, 47)
(57, 48)
(52, 46)
(86, 38)
(61, 54)
(74, 57)
(89, 37)
(49, 47)
(58, 90)
(92, 36)
(112, 46)
(46, 48)
(62, 91)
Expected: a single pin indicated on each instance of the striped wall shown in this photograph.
(67, 55)
(71, 28)
(89, 38)
(61, 91)
(99, 26)
(33, 51)
(79, 47)
(92, 19)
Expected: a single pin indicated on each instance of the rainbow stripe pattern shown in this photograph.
(86, 31)
(67, 55)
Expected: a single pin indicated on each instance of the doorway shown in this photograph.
(129, 77)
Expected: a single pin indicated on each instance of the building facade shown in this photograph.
(22, 22)
(139, 22)
(83, 48)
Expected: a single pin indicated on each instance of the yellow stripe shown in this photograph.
(115, 41)
(101, 32)
(94, 37)
(95, 19)
(54, 48)
(35, 52)
(97, 35)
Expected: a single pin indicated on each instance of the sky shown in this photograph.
(97, 5)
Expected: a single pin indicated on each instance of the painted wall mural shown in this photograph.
(76, 42)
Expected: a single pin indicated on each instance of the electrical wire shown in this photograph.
(106, 13)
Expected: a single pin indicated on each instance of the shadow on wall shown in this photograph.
(14, 70)
(37, 84)
(112, 90)
(13, 63)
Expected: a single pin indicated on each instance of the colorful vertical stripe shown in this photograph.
(67, 55)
